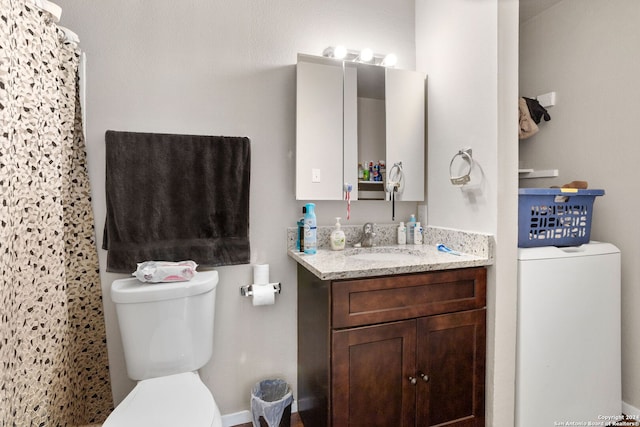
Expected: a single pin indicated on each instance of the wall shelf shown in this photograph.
(542, 173)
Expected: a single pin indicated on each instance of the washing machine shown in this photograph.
(568, 363)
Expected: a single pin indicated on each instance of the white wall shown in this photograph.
(587, 53)
(469, 51)
(227, 68)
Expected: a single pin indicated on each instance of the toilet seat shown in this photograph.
(174, 400)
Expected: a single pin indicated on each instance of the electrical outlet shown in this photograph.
(315, 175)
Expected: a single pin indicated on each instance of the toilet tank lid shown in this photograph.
(127, 291)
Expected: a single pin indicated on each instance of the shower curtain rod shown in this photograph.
(53, 9)
(69, 36)
(56, 12)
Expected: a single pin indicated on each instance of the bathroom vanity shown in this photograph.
(384, 345)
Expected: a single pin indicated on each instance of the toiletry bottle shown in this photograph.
(310, 230)
(300, 240)
(301, 229)
(410, 226)
(337, 237)
(417, 234)
(365, 171)
(402, 234)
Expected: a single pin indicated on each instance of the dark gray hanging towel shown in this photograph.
(176, 197)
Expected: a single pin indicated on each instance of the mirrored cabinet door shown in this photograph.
(350, 116)
(405, 128)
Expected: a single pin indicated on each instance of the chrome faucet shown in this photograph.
(368, 235)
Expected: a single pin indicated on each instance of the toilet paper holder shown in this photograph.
(247, 290)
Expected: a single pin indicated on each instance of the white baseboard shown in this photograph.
(236, 418)
(630, 410)
(243, 417)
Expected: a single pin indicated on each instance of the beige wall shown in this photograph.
(469, 51)
(586, 51)
(227, 67)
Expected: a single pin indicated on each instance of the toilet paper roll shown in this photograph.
(261, 274)
(263, 294)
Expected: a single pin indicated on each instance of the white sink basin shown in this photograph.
(384, 256)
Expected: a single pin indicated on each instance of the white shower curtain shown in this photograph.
(54, 367)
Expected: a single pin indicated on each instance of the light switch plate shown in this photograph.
(315, 175)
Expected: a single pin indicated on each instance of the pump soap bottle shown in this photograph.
(310, 230)
(337, 237)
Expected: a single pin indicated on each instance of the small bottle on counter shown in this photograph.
(301, 230)
(300, 239)
(402, 234)
(310, 230)
(417, 234)
(410, 226)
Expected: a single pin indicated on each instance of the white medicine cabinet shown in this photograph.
(348, 113)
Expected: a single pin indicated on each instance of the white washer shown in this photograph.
(568, 366)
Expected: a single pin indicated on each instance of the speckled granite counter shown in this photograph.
(476, 250)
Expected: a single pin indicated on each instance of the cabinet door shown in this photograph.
(371, 370)
(405, 124)
(318, 129)
(451, 352)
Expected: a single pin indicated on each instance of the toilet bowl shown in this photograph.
(175, 400)
(167, 335)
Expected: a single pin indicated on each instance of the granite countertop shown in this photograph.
(387, 258)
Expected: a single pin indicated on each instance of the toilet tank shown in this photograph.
(166, 328)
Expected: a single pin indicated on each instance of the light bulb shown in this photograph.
(390, 60)
(339, 52)
(366, 55)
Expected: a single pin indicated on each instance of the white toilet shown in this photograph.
(167, 335)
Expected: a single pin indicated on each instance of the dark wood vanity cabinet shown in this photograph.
(405, 350)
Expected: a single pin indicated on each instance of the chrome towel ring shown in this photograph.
(463, 179)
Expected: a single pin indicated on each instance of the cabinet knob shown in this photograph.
(413, 380)
(424, 377)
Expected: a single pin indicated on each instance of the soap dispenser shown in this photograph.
(337, 237)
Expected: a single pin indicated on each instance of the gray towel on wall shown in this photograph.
(176, 197)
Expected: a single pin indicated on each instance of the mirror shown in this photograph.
(351, 117)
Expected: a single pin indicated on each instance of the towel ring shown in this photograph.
(395, 179)
(462, 179)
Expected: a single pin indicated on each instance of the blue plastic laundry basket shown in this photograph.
(555, 216)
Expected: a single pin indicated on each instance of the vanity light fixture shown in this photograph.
(338, 52)
(390, 60)
(366, 56)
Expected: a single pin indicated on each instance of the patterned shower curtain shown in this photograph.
(54, 368)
